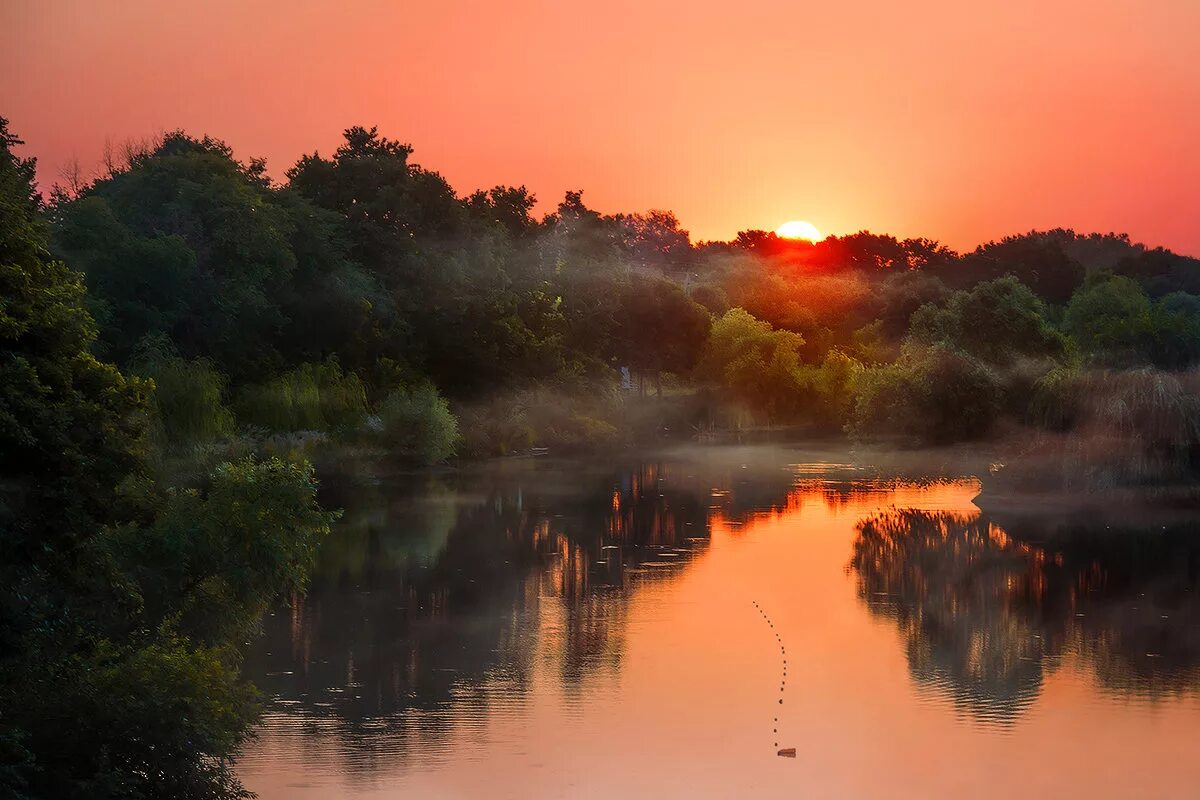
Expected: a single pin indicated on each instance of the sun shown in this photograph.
(799, 229)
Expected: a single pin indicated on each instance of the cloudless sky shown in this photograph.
(962, 121)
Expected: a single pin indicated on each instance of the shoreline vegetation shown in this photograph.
(181, 336)
(364, 302)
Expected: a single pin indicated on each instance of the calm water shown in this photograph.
(548, 629)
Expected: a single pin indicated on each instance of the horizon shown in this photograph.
(544, 208)
(967, 139)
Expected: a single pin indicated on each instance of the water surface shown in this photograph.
(565, 629)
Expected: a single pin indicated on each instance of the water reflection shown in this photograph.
(454, 590)
(487, 626)
(986, 612)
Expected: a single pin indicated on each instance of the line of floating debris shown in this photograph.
(787, 752)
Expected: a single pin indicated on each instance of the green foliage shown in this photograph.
(514, 423)
(1041, 263)
(130, 720)
(316, 397)
(659, 328)
(498, 426)
(187, 242)
(931, 394)
(1159, 271)
(1109, 317)
(122, 604)
(368, 258)
(996, 322)
(417, 425)
(142, 696)
(215, 558)
(474, 310)
(832, 385)
(71, 428)
(139, 286)
(1117, 324)
(188, 396)
(758, 365)
(655, 240)
(226, 243)
(900, 295)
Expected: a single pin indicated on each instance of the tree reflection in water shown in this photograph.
(986, 613)
(438, 610)
(457, 591)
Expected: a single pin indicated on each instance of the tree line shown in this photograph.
(364, 295)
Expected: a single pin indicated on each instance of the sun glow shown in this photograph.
(799, 229)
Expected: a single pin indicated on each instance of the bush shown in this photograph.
(311, 397)
(936, 395)
(517, 422)
(498, 427)
(417, 424)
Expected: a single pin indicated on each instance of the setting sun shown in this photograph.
(799, 229)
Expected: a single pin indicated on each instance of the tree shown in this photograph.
(1110, 319)
(1160, 272)
(659, 328)
(417, 425)
(209, 250)
(997, 322)
(755, 363)
(506, 206)
(655, 240)
(390, 204)
(71, 428)
(1041, 264)
(121, 603)
(1116, 324)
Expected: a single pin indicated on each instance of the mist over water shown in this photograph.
(589, 629)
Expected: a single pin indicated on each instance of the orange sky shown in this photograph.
(925, 117)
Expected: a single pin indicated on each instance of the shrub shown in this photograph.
(1117, 325)
(1109, 318)
(936, 395)
(215, 557)
(563, 422)
(498, 427)
(417, 425)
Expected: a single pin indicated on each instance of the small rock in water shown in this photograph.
(787, 752)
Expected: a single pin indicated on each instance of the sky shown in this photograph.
(961, 121)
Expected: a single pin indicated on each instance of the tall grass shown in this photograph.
(189, 406)
(1121, 427)
(315, 397)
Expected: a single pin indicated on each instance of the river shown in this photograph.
(664, 625)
